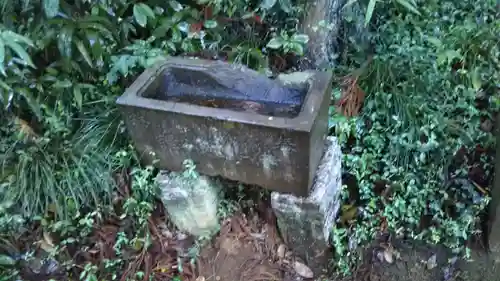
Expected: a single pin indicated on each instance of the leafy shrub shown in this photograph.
(63, 65)
(420, 115)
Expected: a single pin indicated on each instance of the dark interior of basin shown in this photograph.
(253, 93)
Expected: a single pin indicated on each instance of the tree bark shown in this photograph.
(328, 30)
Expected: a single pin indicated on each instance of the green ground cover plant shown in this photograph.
(417, 146)
(420, 151)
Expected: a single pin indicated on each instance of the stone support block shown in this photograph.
(305, 223)
(190, 201)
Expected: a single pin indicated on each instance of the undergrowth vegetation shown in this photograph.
(420, 150)
(414, 118)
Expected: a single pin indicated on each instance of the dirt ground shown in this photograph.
(249, 250)
(413, 260)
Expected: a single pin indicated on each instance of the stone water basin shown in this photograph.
(231, 121)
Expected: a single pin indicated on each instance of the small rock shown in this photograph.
(432, 262)
(182, 236)
(388, 256)
(200, 278)
(281, 251)
(302, 270)
(380, 256)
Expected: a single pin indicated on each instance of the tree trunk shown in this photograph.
(329, 30)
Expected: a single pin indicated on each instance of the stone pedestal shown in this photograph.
(306, 222)
(191, 201)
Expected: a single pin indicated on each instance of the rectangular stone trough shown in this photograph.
(231, 121)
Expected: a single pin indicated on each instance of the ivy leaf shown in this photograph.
(142, 12)
(369, 11)
(434, 41)
(267, 4)
(300, 38)
(275, 43)
(297, 48)
(175, 5)
(210, 24)
(51, 8)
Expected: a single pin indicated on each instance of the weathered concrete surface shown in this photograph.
(191, 202)
(330, 24)
(273, 152)
(305, 223)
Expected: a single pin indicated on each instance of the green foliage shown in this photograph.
(64, 64)
(420, 114)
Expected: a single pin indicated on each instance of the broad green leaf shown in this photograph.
(267, 4)
(142, 12)
(297, 48)
(62, 84)
(51, 8)
(175, 5)
(139, 16)
(2, 56)
(83, 50)
(65, 42)
(77, 93)
(369, 11)
(21, 52)
(161, 31)
(476, 80)
(275, 43)
(176, 35)
(6, 260)
(210, 24)
(434, 41)
(12, 36)
(441, 58)
(286, 6)
(146, 10)
(409, 6)
(300, 38)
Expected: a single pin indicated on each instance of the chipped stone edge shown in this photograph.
(319, 190)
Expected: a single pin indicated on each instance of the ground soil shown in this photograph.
(247, 248)
(413, 260)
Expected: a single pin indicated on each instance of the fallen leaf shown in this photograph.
(46, 243)
(302, 270)
(349, 212)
